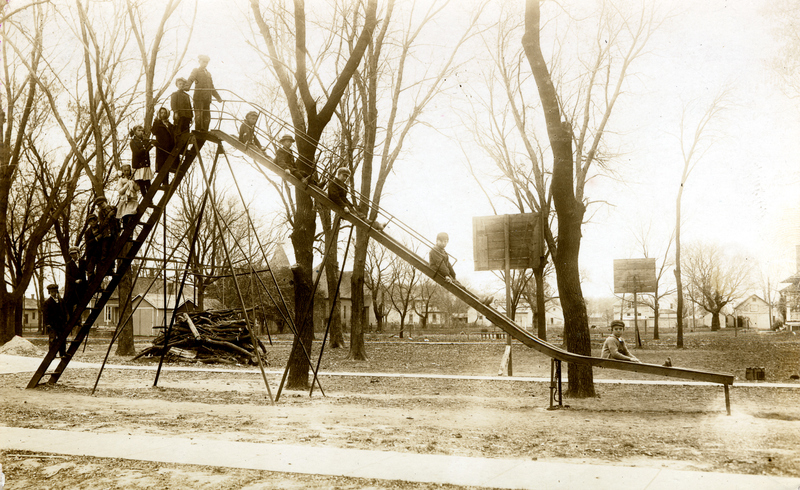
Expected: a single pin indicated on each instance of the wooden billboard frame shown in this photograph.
(507, 241)
(634, 276)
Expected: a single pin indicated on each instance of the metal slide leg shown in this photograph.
(555, 384)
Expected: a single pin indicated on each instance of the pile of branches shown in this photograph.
(207, 336)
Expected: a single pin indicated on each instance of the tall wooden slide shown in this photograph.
(506, 324)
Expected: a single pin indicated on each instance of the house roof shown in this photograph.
(792, 279)
(30, 304)
(748, 300)
(156, 300)
(345, 288)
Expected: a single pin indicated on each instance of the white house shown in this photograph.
(756, 310)
(148, 316)
(524, 316)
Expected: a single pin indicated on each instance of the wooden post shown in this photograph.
(636, 314)
(507, 232)
(727, 399)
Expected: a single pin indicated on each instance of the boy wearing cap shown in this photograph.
(337, 190)
(440, 260)
(247, 132)
(614, 346)
(54, 318)
(181, 108)
(203, 91)
(284, 157)
(75, 279)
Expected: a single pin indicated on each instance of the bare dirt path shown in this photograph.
(664, 426)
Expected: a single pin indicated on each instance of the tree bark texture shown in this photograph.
(568, 210)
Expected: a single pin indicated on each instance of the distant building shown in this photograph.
(524, 316)
(756, 310)
(30, 313)
(790, 298)
(148, 317)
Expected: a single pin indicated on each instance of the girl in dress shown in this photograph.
(140, 158)
(128, 195)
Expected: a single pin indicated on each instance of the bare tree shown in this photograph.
(376, 279)
(389, 61)
(309, 121)
(619, 42)
(402, 289)
(663, 264)
(693, 151)
(715, 279)
(21, 124)
(503, 125)
(425, 295)
(209, 263)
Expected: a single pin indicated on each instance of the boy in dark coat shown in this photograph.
(181, 108)
(75, 283)
(440, 261)
(54, 318)
(284, 157)
(203, 91)
(337, 190)
(92, 251)
(247, 132)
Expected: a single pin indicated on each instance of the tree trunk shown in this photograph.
(568, 210)
(332, 277)
(358, 323)
(715, 325)
(541, 319)
(18, 307)
(656, 310)
(125, 344)
(303, 242)
(678, 282)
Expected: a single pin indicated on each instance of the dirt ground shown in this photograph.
(665, 426)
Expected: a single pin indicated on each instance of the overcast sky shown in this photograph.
(744, 194)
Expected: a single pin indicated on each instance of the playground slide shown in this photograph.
(500, 320)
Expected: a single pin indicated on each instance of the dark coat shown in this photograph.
(181, 105)
(140, 152)
(75, 280)
(204, 88)
(337, 192)
(53, 315)
(247, 135)
(91, 237)
(164, 132)
(284, 158)
(440, 262)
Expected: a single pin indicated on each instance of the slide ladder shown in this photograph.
(123, 253)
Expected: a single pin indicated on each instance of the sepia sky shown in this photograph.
(743, 195)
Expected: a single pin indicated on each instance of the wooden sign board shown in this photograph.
(634, 276)
(521, 232)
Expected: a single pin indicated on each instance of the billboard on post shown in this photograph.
(634, 276)
(520, 233)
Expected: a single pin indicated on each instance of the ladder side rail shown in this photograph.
(103, 268)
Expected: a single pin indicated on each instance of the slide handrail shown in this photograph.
(496, 317)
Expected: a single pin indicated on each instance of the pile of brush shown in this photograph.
(207, 336)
